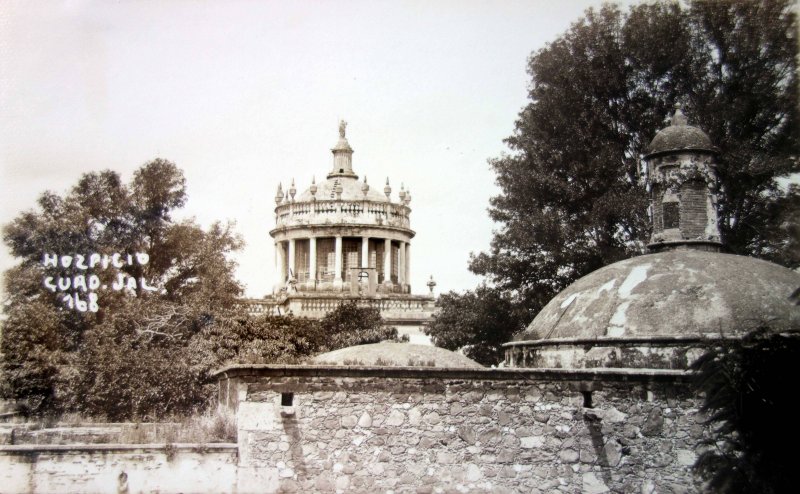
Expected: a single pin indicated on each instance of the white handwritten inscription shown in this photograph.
(84, 287)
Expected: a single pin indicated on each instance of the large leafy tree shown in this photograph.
(572, 198)
(126, 357)
(477, 322)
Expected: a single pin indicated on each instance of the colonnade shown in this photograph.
(286, 260)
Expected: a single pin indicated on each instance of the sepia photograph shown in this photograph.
(399, 247)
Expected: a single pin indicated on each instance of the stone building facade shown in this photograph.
(343, 239)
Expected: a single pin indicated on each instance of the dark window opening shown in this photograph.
(287, 399)
(672, 214)
(587, 399)
(341, 170)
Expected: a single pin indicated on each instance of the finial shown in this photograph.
(408, 197)
(402, 193)
(313, 188)
(431, 284)
(678, 118)
(387, 190)
(365, 187)
(342, 128)
(279, 194)
(292, 190)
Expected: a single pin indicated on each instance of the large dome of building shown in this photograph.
(344, 189)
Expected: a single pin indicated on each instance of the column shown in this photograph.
(292, 267)
(337, 263)
(364, 252)
(408, 266)
(278, 266)
(312, 259)
(401, 264)
(281, 262)
(387, 261)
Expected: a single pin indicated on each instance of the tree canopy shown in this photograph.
(108, 290)
(477, 322)
(572, 198)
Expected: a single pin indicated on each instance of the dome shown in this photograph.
(679, 136)
(390, 354)
(674, 294)
(351, 191)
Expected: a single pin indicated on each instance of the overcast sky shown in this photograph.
(243, 95)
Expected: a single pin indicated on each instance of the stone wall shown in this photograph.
(321, 429)
(118, 468)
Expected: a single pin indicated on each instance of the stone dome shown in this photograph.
(352, 190)
(674, 294)
(679, 136)
(391, 354)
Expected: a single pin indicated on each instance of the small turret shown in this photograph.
(682, 181)
(387, 190)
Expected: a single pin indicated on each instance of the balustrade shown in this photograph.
(366, 211)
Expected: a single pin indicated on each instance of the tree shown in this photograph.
(285, 339)
(751, 413)
(122, 354)
(572, 200)
(478, 322)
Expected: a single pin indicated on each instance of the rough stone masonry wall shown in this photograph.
(517, 433)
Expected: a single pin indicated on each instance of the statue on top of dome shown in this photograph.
(342, 127)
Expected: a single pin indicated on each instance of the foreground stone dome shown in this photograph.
(389, 354)
(659, 310)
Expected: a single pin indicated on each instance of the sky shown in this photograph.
(244, 95)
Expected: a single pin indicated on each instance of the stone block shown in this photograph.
(568, 455)
(365, 421)
(531, 442)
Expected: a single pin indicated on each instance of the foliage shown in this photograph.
(571, 196)
(752, 412)
(285, 339)
(128, 359)
(350, 325)
(476, 321)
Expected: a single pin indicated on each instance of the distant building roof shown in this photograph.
(389, 354)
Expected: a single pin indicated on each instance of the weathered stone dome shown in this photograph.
(657, 311)
(389, 354)
(675, 293)
(679, 136)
